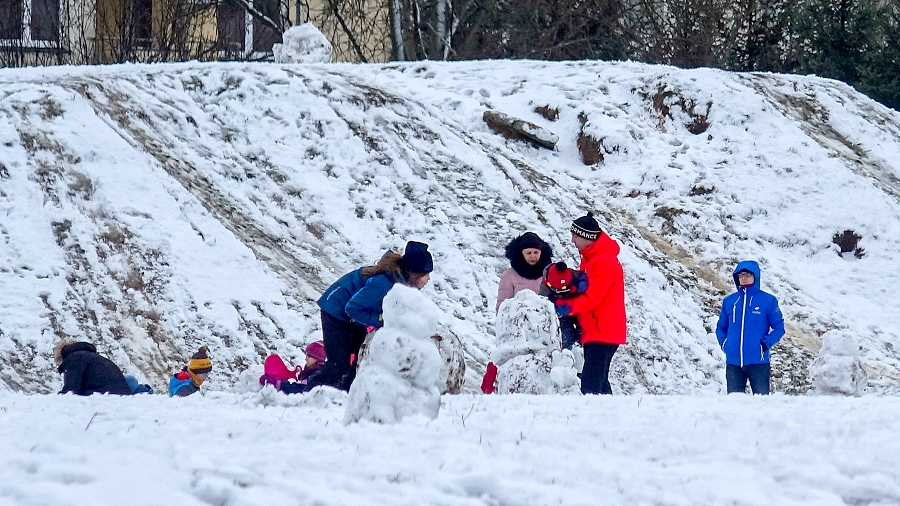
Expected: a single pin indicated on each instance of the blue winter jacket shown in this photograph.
(750, 321)
(181, 387)
(339, 293)
(365, 306)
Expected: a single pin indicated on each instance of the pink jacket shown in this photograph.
(511, 283)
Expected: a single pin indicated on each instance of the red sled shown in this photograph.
(274, 367)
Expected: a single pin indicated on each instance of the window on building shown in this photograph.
(236, 24)
(45, 20)
(232, 25)
(10, 19)
(264, 36)
(141, 22)
(29, 20)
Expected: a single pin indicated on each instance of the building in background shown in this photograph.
(55, 32)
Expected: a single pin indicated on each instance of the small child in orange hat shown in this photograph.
(188, 380)
(561, 282)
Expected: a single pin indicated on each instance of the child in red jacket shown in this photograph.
(561, 282)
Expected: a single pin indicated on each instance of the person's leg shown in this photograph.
(357, 338)
(293, 388)
(758, 374)
(735, 379)
(337, 335)
(568, 331)
(591, 379)
(608, 351)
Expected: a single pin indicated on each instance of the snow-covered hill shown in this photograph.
(154, 208)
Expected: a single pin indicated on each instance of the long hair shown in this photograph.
(389, 262)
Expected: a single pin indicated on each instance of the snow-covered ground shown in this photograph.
(516, 450)
(151, 209)
(155, 208)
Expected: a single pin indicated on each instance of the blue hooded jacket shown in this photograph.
(339, 293)
(365, 306)
(750, 321)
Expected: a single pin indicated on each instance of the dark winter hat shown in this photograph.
(559, 277)
(316, 350)
(587, 227)
(416, 258)
(531, 240)
(200, 362)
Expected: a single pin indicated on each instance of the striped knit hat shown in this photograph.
(587, 227)
(200, 362)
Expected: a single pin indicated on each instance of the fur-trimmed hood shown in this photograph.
(517, 261)
(58, 354)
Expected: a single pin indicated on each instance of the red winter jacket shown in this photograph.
(601, 309)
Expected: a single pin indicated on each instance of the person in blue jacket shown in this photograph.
(351, 307)
(750, 323)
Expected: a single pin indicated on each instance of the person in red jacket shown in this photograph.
(600, 310)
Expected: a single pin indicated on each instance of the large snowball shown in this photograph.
(837, 370)
(528, 355)
(303, 44)
(399, 371)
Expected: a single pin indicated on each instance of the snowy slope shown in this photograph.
(153, 208)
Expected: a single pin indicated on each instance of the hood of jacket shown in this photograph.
(517, 260)
(604, 245)
(79, 346)
(747, 265)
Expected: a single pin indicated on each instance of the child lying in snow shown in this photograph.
(292, 381)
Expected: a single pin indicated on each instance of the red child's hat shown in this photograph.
(559, 277)
(275, 368)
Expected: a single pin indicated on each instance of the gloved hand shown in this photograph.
(764, 344)
(267, 379)
(563, 309)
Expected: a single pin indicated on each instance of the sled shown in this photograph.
(274, 366)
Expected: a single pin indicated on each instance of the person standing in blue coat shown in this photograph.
(750, 323)
(351, 307)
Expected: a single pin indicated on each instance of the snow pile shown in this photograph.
(837, 370)
(452, 376)
(529, 355)
(303, 44)
(398, 374)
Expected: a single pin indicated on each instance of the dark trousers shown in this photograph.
(736, 378)
(595, 375)
(342, 339)
(570, 330)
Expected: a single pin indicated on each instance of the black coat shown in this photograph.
(85, 372)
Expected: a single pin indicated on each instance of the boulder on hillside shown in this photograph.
(519, 129)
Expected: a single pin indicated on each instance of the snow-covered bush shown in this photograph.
(303, 44)
(528, 355)
(837, 370)
(398, 373)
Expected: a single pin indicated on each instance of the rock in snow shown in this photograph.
(528, 355)
(398, 373)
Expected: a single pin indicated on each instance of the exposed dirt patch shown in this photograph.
(848, 242)
(664, 99)
(550, 113)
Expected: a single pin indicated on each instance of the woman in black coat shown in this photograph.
(85, 372)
